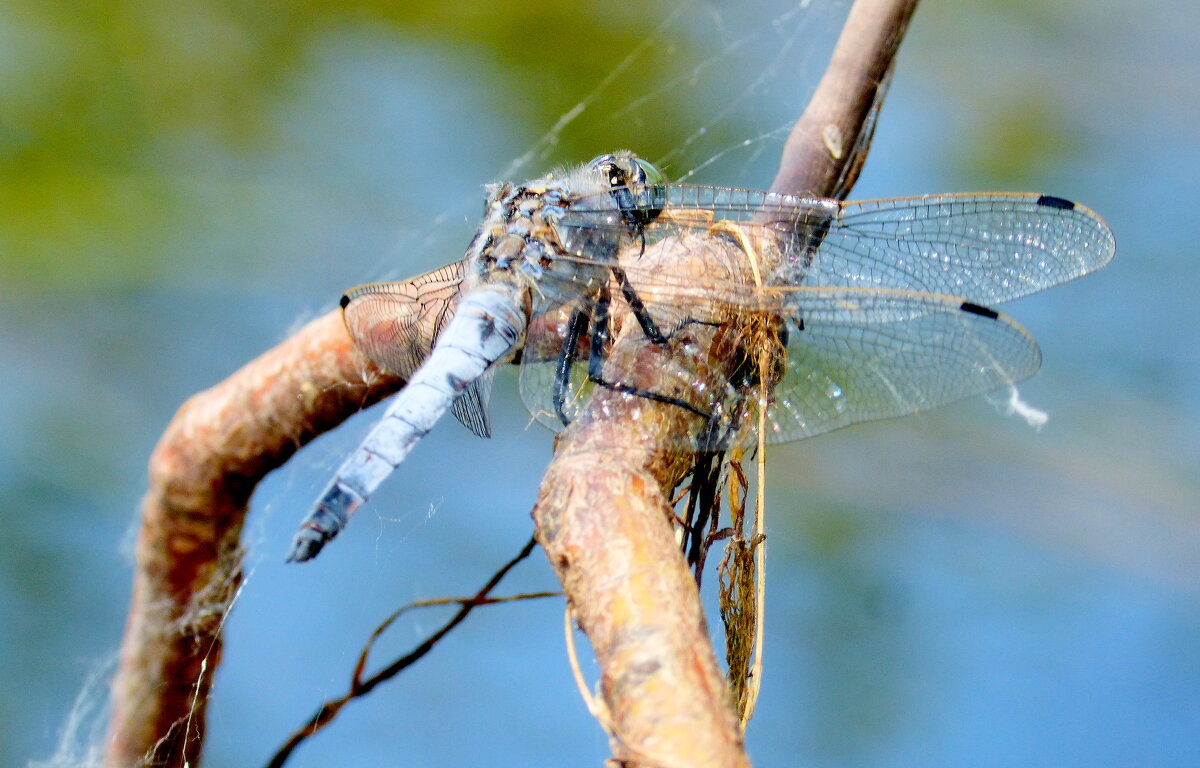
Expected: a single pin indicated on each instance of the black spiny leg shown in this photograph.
(576, 327)
(599, 349)
(638, 308)
(598, 346)
(703, 500)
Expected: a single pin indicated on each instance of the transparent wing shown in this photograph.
(395, 325)
(841, 356)
(986, 248)
(860, 354)
(861, 291)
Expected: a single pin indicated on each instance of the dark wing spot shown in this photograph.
(1055, 202)
(976, 309)
(345, 300)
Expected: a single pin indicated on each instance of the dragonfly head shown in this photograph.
(637, 186)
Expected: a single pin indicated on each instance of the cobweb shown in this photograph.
(745, 94)
(709, 95)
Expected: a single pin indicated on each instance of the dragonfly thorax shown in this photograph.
(550, 224)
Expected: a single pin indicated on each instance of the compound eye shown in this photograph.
(648, 173)
(637, 173)
(603, 163)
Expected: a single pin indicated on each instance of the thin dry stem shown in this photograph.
(361, 685)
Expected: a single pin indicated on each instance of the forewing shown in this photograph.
(986, 248)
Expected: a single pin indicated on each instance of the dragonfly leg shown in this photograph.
(598, 346)
(702, 497)
(649, 327)
(566, 359)
(601, 329)
(596, 355)
(629, 389)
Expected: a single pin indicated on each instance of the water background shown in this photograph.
(183, 184)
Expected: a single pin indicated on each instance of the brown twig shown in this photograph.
(606, 525)
(216, 449)
(603, 519)
(223, 441)
(361, 686)
(829, 143)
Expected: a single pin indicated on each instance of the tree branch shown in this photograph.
(223, 441)
(829, 143)
(207, 463)
(603, 515)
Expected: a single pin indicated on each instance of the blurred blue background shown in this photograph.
(183, 184)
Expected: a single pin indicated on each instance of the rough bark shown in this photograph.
(606, 525)
(218, 446)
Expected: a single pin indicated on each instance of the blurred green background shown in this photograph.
(182, 184)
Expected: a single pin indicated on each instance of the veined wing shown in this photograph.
(842, 356)
(395, 325)
(860, 354)
(986, 248)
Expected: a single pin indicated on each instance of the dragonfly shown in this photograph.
(821, 313)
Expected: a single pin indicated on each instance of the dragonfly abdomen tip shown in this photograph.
(327, 519)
